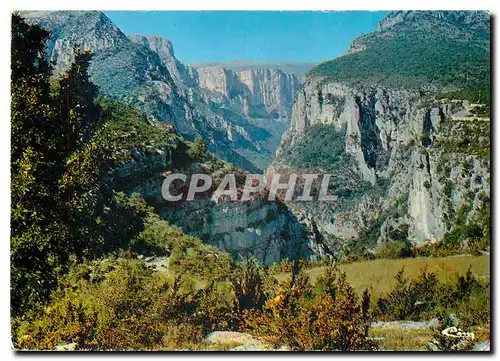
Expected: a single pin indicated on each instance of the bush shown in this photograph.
(475, 309)
(330, 320)
(198, 149)
(215, 307)
(248, 285)
(427, 297)
(409, 299)
(394, 250)
(111, 304)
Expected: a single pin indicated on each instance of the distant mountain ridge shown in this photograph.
(292, 67)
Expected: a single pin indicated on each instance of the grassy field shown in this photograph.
(378, 275)
(396, 339)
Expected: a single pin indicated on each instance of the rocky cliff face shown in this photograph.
(403, 168)
(384, 132)
(423, 172)
(180, 73)
(121, 68)
(95, 31)
(257, 93)
(257, 229)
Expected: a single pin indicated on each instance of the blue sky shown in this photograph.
(258, 36)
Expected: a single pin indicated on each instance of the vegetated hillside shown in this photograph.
(422, 50)
(70, 172)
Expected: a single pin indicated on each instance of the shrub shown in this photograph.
(409, 299)
(110, 304)
(199, 149)
(330, 320)
(474, 309)
(187, 254)
(248, 285)
(394, 250)
(427, 297)
(215, 306)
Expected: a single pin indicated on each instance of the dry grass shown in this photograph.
(378, 275)
(398, 339)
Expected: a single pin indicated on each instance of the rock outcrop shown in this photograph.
(396, 141)
(257, 229)
(402, 167)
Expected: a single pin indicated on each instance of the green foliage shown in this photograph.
(394, 250)
(190, 255)
(475, 308)
(33, 263)
(248, 285)
(479, 94)
(215, 307)
(408, 61)
(198, 149)
(472, 236)
(113, 304)
(330, 320)
(64, 146)
(321, 147)
(58, 157)
(466, 138)
(127, 129)
(426, 297)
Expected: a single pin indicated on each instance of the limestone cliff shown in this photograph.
(383, 132)
(258, 93)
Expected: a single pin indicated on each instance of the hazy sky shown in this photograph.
(259, 36)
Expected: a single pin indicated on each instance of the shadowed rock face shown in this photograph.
(257, 229)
